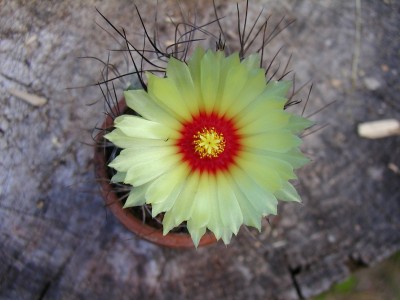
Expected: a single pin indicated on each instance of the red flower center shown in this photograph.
(209, 143)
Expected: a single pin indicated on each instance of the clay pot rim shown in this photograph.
(131, 222)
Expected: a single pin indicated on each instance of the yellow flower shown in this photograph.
(213, 145)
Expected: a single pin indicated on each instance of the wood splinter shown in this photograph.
(379, 129)
(30, 98)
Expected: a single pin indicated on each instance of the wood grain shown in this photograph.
(57, 241)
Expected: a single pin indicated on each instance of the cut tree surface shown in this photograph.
(57, 241)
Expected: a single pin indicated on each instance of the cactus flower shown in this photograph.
(212, 145)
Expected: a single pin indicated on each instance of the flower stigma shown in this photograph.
(208, 143)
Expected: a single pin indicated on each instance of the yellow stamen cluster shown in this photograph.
(209, 143)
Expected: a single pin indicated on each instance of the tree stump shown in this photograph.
(57, 239)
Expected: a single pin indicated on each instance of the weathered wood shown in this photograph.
(379, 129)
(57, 241)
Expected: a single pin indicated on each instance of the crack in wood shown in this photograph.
(355, 262)
(293, 273)
(40, 218)
(12, 79)
(57, 276)
(44, 291)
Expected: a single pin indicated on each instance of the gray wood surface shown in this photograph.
(57, 241)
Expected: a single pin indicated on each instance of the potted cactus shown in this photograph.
(204, 145)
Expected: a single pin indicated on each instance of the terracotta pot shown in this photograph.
(154, 235)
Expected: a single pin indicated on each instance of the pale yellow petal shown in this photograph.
(234, 83)
(136, 196)
(268, 179)
(281, 167)
(278, 141)
(121, 140)
(141, 102)
(118, 177)
(297, 124)
(169, 222)
(252, 61)
(251, 216)
(201, 213)
(214, 223)
(138, 127)
(294, 156)
(255, 85)
(129, 157)
(288, 193)
(141, 172)
(166, 94)
(229, 208)
(194, 65)
(179, 73)
(195, 232)
(231, 62)
(163, 191)
(226, 235)
(183, 205)
(260, 197)
(278, 88)
(265, 119)
(210, 74)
